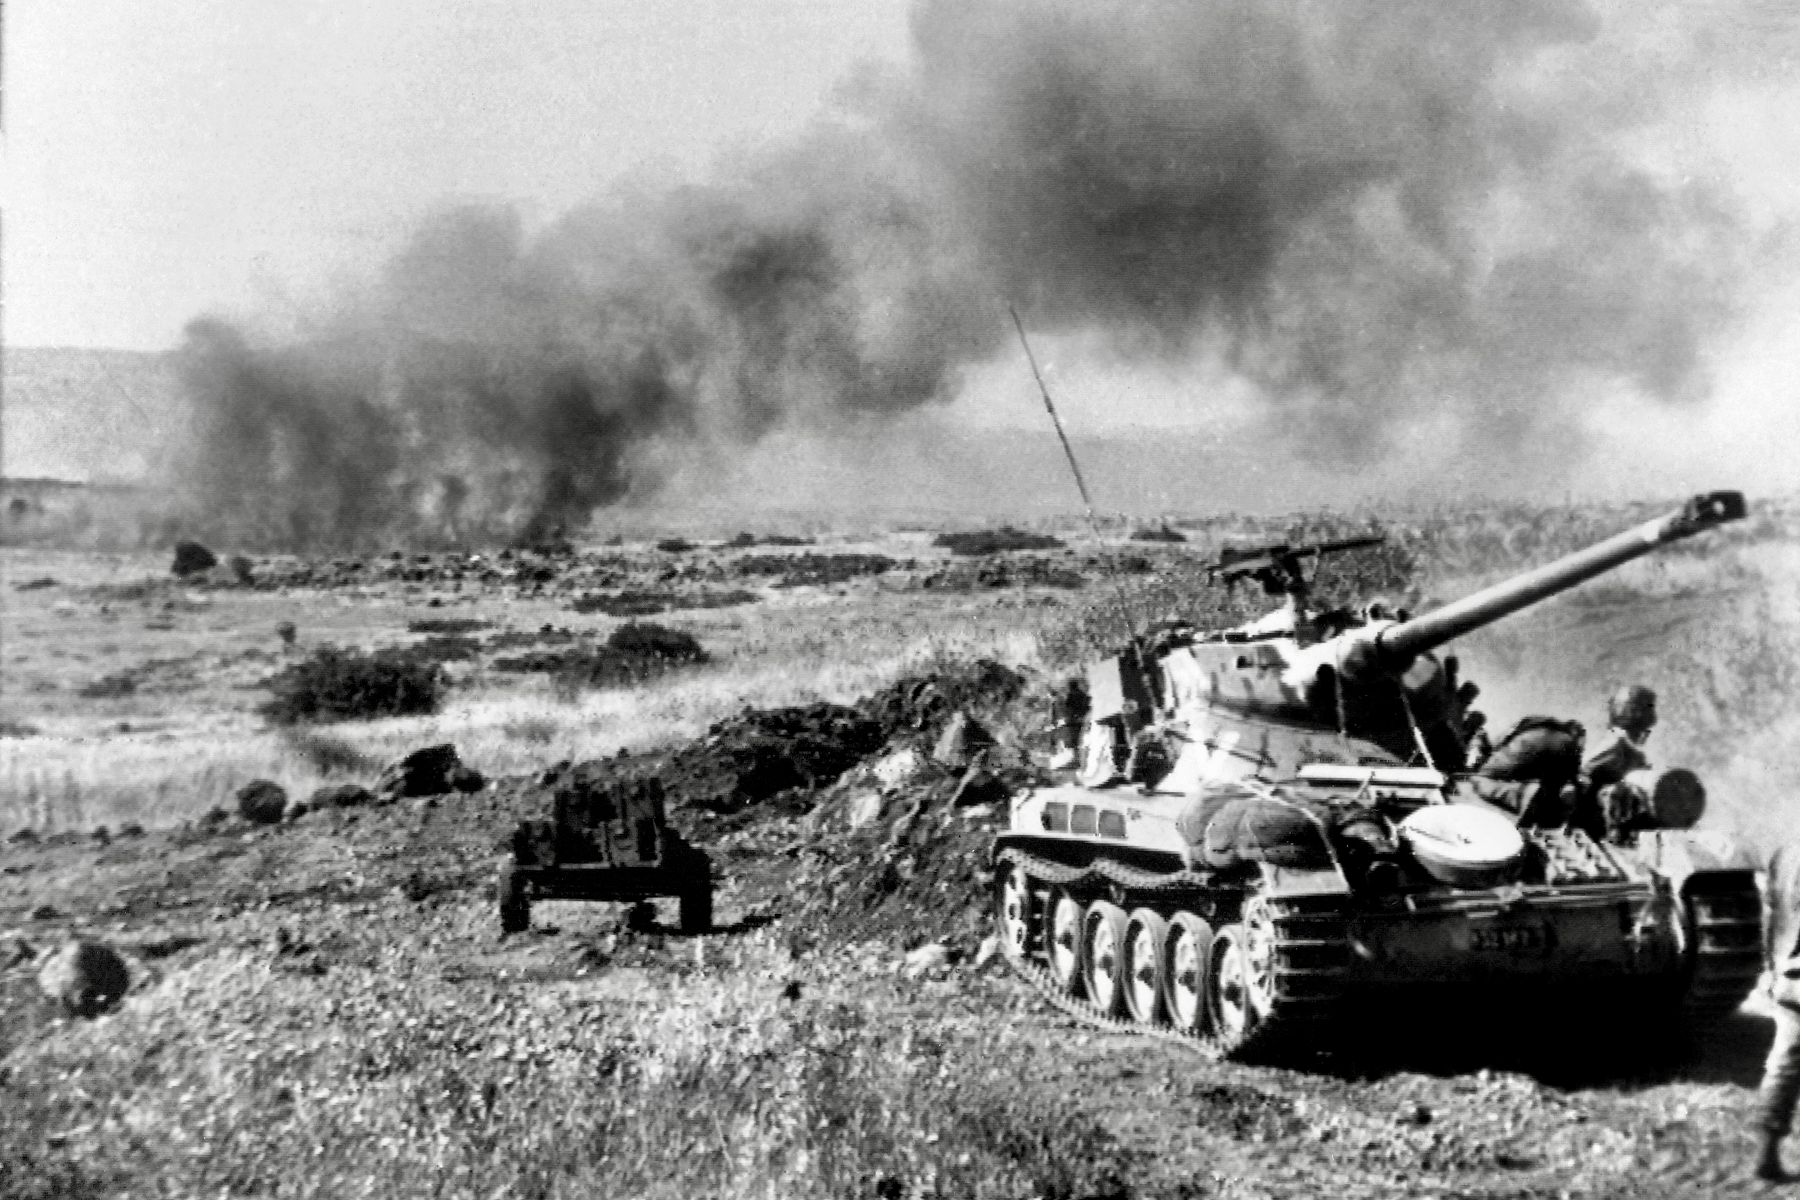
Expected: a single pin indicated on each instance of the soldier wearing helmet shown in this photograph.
(1607, 809)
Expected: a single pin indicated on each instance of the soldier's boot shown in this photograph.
(1768, 1161)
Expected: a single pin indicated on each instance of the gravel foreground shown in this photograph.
(327, 1008)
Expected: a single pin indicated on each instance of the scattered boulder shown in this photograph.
(214, 817)
(287, 632)
(898, 767)
(23, 837)
(296, 810)
(86, 977)
(428, 772)
(191, 558)
(261, 802)
(243, 571)
(863, 809)
(343, 795)
(464, 778)
(932, 956)
(962, 739)
(990, 946)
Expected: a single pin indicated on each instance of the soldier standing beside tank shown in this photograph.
(1781, 1075)
(1607, 809)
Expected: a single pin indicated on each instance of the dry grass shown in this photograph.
(185, 737)
(707, 1083)
(188, 736)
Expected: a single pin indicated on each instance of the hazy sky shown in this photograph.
(241, 157)
(190, 155)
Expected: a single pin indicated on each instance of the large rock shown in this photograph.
(864, 808)
(962, 739)
(428, 772)
(191, 558)
(87, 978)
(261, 802)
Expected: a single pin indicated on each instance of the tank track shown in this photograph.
(1727, 949)
(1309, 960)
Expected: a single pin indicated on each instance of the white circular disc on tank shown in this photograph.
(1463, 846)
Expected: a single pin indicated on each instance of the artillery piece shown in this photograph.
(1269, 819)
(606, 838)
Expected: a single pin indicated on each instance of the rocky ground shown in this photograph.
(326, 1006)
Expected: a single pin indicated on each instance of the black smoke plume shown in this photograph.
(1376, 212)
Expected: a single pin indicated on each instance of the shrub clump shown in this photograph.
(446, 625)
(995, 541)
(346, 685)
(636, 652)
(634, 603)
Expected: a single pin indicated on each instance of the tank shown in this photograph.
(1261, 823)
(605, 839)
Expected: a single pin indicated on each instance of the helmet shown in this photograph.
(1632, 709)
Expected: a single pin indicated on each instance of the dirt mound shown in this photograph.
(917, 874)
(920, 705)
(757, 755)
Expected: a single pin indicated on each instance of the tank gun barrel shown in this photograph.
(1398, 644)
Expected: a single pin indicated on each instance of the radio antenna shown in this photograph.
(1080, 484)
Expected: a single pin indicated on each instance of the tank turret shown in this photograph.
(1368, 680)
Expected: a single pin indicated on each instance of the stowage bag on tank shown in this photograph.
(1254, 829)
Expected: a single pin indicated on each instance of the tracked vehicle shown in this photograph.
(1269, 820)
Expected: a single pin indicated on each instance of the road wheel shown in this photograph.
(1014, 909)
(515, 909)
(1187, 967)
(1146, 938)
(1103, 956)
(1062, 940)
(1243, 987)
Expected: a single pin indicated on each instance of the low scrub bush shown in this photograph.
(447, 625)
(636, 652)
(995, 541)
(344, 685)
(635, 603)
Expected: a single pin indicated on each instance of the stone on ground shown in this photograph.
(86, 977)
(261, 802)
(191, 558)
(427, 772)
(962, 738)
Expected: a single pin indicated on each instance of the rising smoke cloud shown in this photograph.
(1373, 211)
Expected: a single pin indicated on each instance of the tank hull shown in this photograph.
(1670, 926)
